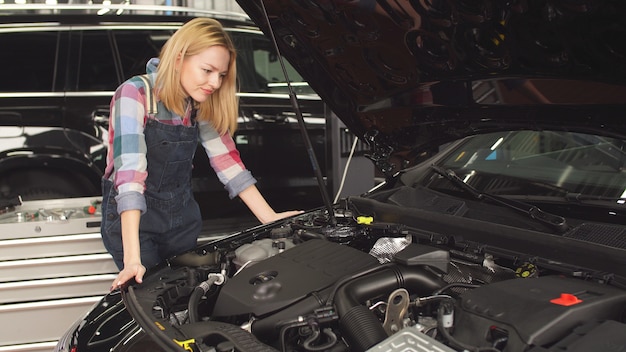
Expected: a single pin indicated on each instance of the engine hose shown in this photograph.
(283, 334)
(361, 326)
(194, 301)
(453, 285)
(302, 235)
(351, 293)
(196, 296)
(308, 343)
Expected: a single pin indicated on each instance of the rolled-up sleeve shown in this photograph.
(225, 160)
(131, 201)
(129, 146)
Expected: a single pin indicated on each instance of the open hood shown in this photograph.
(381, 65)
(510, 238)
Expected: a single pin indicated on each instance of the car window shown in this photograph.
(94, 62)
(30, 61)
(137, 47)
(259, 69)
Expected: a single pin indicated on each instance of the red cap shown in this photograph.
(566, 299)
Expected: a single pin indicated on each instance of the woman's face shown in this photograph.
(202, 74)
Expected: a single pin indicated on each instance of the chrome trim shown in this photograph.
(307, 120)
(57, 27)
(285, 84)
(57, 94)
(30, 24)
(252, 30)
(100, 26)
(33, 95)
(279, 96)
(110, 94)
(46, 28)
(155, 8)
(117, 26)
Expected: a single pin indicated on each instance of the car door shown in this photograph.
(36, 146)
(102, 57)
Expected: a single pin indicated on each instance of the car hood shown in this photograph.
(375, 64)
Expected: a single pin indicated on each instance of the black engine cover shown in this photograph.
(525, 309)
(288, 277)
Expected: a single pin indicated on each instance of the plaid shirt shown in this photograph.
(126, 157)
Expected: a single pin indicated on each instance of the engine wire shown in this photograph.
(345, 169)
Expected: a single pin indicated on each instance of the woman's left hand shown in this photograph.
(259, 207)
(282, 215)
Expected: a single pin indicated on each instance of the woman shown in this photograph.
(149, 213)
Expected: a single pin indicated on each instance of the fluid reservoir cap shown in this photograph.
(566, 299)
(281, 232)
(367, 220)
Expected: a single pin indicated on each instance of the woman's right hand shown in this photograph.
(132, 253)
(132, 270)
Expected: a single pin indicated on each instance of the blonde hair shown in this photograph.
(221, 108)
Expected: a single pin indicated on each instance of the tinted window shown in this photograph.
(27, 61)
(94, 62)
(259, 69)
(137, 47)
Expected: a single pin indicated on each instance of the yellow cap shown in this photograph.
(367, 220)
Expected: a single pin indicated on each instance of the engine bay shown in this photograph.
(376, 277)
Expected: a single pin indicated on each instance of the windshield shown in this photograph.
(541, 163)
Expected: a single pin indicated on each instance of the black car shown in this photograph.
(65, 62)
(499, 227)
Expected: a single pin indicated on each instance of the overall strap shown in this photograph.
(151, 103)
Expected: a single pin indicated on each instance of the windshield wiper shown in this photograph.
(556, 222)
(581, 198)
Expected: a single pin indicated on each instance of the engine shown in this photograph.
(309, 287)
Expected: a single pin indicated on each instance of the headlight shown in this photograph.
(66, 342)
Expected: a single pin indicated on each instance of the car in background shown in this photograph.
(500, 227)
(65, 62)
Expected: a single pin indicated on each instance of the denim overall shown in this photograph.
(172, 222)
